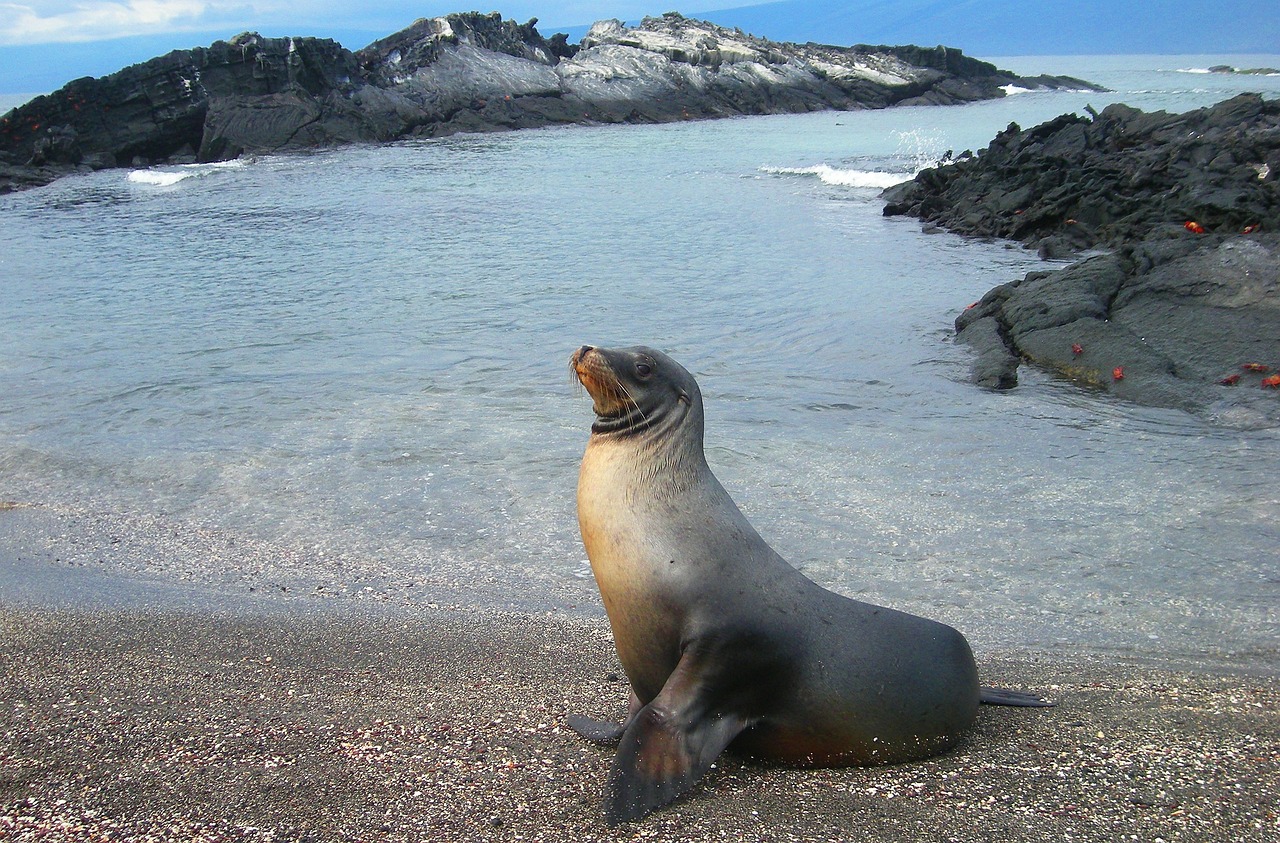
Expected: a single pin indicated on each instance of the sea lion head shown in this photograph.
(638, 389)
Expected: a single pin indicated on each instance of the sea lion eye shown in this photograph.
(644, 370)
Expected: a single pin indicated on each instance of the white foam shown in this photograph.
(873, 179)
(1010, 90)
(171, 176)
(157, 178)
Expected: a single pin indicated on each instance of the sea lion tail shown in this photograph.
(1004, 696)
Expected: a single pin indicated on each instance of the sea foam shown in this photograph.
(157, 178)
(173, 175)
(872, 179)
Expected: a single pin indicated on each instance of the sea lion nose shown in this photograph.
(585, 349)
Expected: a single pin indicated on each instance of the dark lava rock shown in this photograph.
(1186, 208)
(1185, 321)
(1074, 183)
(462, 72)
(159, 110)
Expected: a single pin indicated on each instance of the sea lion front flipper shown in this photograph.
(668, 745)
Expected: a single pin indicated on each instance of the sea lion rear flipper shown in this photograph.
(668, 745)
(596, 731)
(1003, 696)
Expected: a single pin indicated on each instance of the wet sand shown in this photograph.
(274, 722)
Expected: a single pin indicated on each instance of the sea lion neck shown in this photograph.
(654, 425)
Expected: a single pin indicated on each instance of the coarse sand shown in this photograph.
(447, 724)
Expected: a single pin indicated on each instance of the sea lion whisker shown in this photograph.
(632, 401)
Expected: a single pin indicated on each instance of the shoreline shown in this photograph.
(448, 724)
(68, 557)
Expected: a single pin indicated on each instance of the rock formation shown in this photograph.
(1183, 309)
(463, 72)
(1075, 183)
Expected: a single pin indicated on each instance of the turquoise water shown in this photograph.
(359, 357)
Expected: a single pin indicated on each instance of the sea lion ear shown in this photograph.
(684, 398)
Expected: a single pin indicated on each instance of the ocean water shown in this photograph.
(357, 358)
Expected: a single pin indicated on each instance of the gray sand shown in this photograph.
(271, 722)
(160, 684)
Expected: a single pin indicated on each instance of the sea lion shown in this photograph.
(722, 640)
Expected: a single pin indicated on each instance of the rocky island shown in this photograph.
(1181, 305)
(460, 73)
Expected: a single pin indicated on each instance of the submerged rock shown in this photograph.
(1189, 325)
(1251, 71)
(461, 72)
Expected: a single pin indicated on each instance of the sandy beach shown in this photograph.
(270, 720)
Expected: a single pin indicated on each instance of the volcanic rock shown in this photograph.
(1182, 307)
(462, 72)
(1075, 183)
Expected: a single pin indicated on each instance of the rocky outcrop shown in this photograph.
(1191, 325)
(464, 72)
(202, 104)
(1251, 71)
(1076, 183)
(1183, 308)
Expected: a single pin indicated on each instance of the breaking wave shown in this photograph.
(871, 179)
(169, 176)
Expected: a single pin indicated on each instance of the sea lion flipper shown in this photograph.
(660, 758)
(596, 731)
(667, 746)
(1019, 699)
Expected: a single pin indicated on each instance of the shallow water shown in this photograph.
(362, 354)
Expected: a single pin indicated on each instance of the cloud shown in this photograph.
(90, 20)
